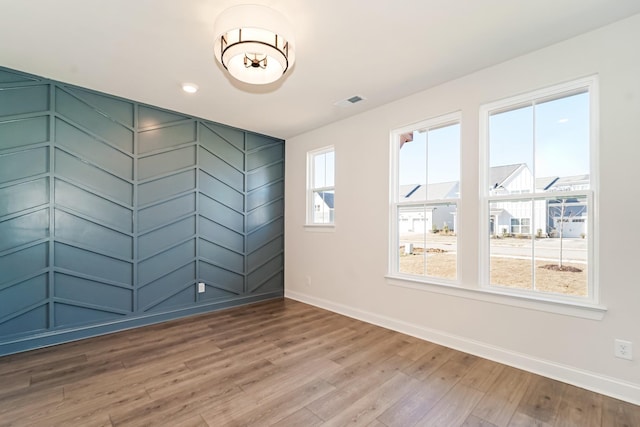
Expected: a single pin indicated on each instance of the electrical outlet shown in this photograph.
(201, 287)
(308, 280)
(623, 349)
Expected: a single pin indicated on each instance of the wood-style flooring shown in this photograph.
(283, 363)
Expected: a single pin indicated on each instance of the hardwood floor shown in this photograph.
(283, 363)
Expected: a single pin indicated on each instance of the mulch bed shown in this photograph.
(556, 267)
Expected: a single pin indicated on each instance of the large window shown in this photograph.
(538, 194)
(321, 186)
(426, 194)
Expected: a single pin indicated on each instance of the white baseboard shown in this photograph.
(613, 387)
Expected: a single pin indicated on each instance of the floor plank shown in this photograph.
(416, 405)
(541, 401)
(483, 375)
(303, 417)
(354, 382)
(579, 407)
(374, 402)
(275, 408)
(503, 397)
(473, 421)
(453, 409)
(616, 413)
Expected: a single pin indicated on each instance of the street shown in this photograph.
(573, 249)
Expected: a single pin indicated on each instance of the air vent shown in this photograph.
(350, 101)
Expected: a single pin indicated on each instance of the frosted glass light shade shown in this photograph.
(254, 43)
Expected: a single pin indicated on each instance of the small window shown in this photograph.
(321, 186)
(426, 194)
(539, 192)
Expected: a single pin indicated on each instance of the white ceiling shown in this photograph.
(379, 49)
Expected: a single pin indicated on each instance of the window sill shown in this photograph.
(563, 307)
(320, 228)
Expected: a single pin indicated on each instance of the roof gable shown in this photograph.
(499, 175)
(327, 197)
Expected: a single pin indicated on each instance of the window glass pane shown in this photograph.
(319, 171)
(562, 142)
(427, 241)
(443, 162)
(330, 169)
(412, 163)
(412, 227)
(559, 245)
(511, 151)
(561, 256)
(323, 207)
(441, 243)
(510, 244)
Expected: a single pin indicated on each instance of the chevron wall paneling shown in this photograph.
(112, 212)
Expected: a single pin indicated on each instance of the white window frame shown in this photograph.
(553, 92)
(396, 203)
(311, 189)
(473, 286)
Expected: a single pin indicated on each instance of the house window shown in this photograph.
(539, 192)
(425, 199)
(321, 186)
(521, 226)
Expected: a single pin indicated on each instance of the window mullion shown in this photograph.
(533, 242)
(534, 162)
(424, 241)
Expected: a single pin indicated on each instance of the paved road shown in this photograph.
(573, 249)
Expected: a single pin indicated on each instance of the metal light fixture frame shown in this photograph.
(254, 44)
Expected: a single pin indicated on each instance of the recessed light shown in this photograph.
(190, 87)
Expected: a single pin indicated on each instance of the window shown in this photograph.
(425, 196)
(321, 186)
(539, 192)
(521, 226)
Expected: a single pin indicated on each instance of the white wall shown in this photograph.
(347, 266)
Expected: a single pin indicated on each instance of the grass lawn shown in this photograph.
(509, 272)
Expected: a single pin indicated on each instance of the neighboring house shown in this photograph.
(512, 217)
(418, 219)
(550, 217)
(323, 207)
(567, 215)
(508, 217)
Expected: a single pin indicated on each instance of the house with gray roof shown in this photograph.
(568, 214)
(418, 219)
(323, 207)
(547, 218)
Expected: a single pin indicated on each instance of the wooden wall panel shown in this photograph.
(112, 212)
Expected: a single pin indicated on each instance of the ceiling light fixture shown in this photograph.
(254, 43)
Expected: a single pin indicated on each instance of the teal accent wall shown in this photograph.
(112, 211)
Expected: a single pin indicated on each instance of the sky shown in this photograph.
(324, 169)
(552, 138)
(557, 131)
(442, 158)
